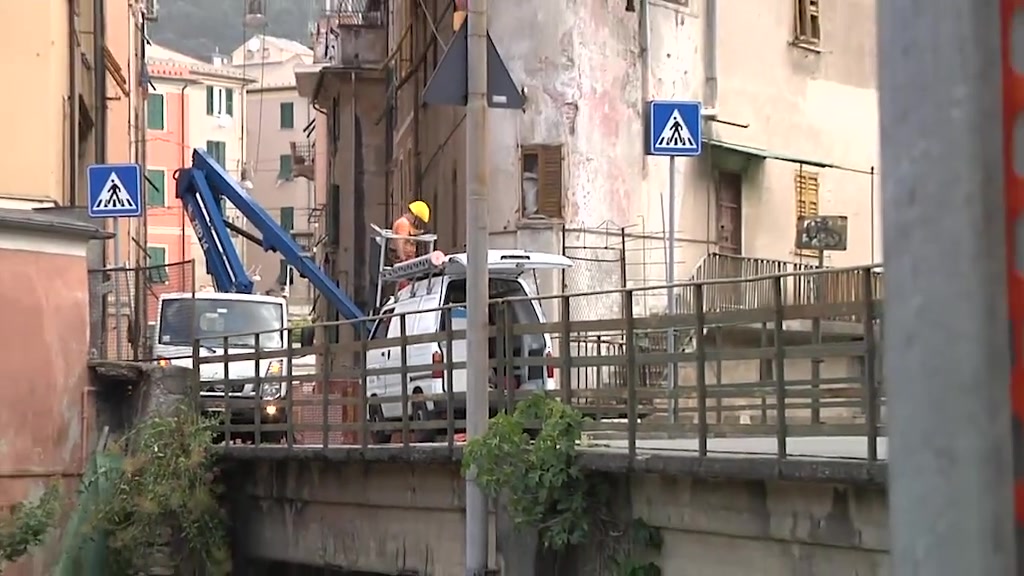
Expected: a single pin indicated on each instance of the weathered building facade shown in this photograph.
(790, 127)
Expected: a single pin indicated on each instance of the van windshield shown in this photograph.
(210, 320)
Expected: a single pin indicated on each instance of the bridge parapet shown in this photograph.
(748, 372)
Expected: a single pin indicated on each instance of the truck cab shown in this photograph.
(227, 323)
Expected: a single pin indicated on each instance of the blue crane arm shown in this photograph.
(200, 189)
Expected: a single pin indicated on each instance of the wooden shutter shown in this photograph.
(549, 178)
(806, 189)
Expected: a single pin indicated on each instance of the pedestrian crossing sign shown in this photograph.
(674, 128)
(115, 191)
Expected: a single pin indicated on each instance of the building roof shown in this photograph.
(288, 45)
(156, 54)
(47, 223)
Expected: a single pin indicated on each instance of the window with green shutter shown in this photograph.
(156, 188)
(284, 171)
(209, 100)
(155, 112)
(229, 102)
(157, 264)
(218, 150)
(288, 218)
(287, 115)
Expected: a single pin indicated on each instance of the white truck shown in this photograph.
(209, 318)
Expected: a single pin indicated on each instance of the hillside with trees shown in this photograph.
(200, 28)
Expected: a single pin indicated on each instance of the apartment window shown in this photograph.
(155, 118)
(287, 115)
(806, 188)
(284, 170)
(156, 188)
(157, 264)
(220, 101)
(284, 277)
(287, 219)
(807, 22)
(541, 190)
(219, 151)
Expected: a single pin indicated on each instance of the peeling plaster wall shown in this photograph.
(580, 63)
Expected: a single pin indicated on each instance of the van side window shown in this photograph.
(380, 329)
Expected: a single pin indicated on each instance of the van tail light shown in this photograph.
(163, 362)
(438, 361)
(550, 366)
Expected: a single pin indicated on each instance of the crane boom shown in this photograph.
(201, 188)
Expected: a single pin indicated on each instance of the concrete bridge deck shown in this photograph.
(395, 509)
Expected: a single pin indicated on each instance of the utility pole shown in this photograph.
(477, 369)
(946, 345)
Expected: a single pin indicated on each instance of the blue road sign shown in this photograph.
(674, 128)
(115, 191)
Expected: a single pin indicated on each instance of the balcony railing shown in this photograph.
(800, 286)
(303, 154)
(352, 35)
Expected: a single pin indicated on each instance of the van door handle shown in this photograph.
(388, 354)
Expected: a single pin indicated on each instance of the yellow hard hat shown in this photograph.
(420, 210)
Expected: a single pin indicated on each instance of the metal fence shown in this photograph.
(757, 381)
(124, 302)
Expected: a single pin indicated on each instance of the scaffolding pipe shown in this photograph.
(946, 344)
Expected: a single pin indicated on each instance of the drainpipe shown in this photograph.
(710, 59)
(100, 77)
(184, 158)
(645, 62)
(72, 144)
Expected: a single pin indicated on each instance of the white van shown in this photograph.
(437, 281)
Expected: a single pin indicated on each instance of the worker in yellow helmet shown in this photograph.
(409, 225)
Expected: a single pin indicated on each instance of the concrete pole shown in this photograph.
(477, 369)
(945, 335)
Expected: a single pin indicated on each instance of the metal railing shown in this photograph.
(346, 394)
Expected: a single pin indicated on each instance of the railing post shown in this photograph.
(258, 392)
(780, 368)
(226, 382)
(508, 357)
(403, 336)
(701, 358)
(325, 364)
(632, 372)
(564, 351)
(288, 388)
(449, 391)
(870, 356)
(364, 401)
(816, 361)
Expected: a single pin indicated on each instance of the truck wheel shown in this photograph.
(375, 415)
(420, 413)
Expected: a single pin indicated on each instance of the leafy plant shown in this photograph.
(26, 524)
(165, 497)
(539, 478)
(528, 458)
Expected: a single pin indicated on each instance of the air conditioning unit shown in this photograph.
(150, 10)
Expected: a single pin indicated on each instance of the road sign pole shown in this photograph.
(670, 293)
(946, 344)
(477, 366)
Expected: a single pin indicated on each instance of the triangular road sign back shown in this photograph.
(448, 85)
(676, 136)
(114, 197)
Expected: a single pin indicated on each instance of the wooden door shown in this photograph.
(729, 212)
